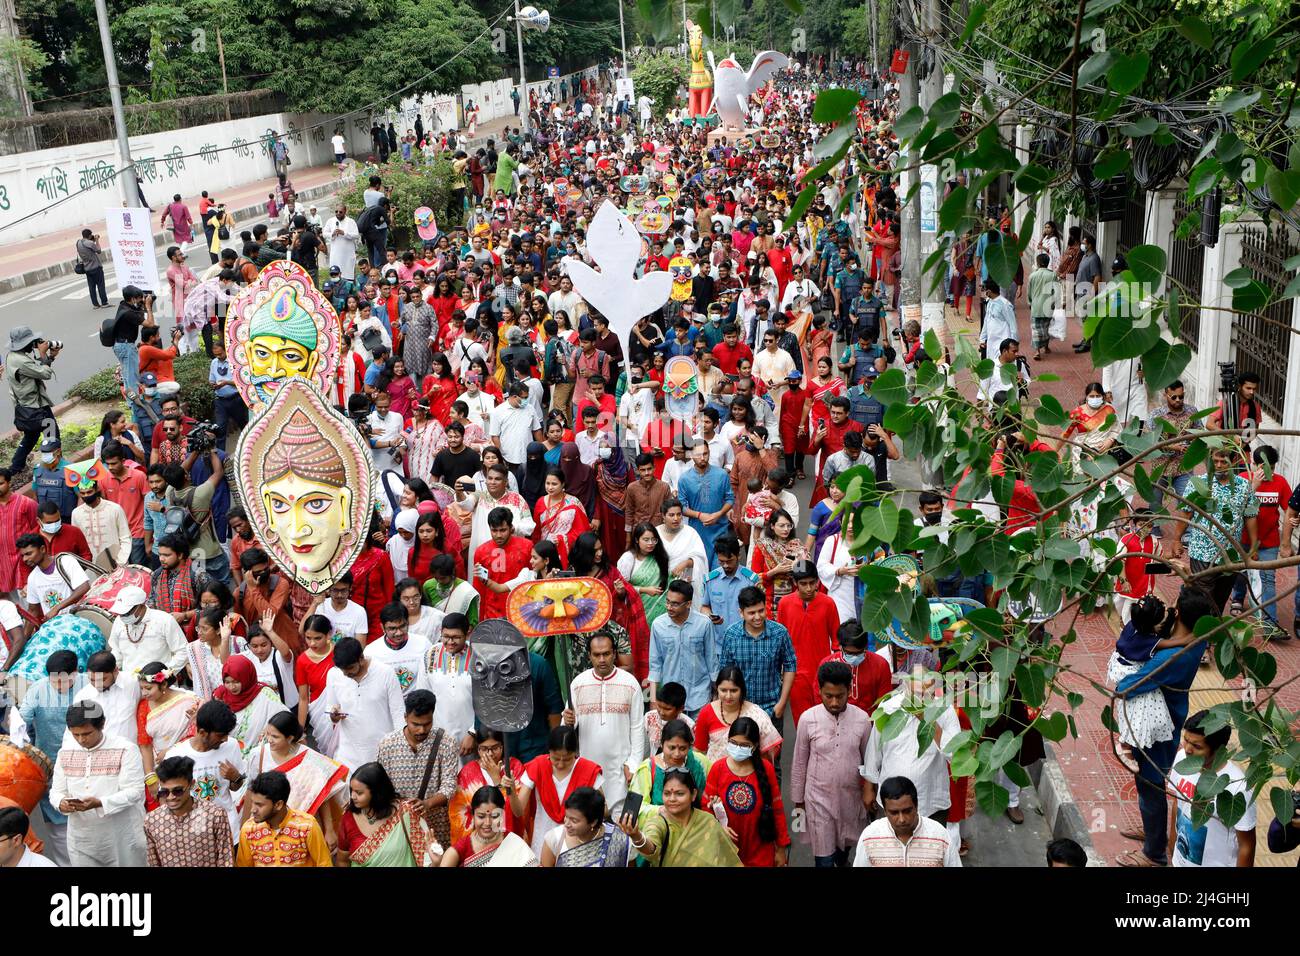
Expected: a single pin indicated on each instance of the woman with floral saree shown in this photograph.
(489, 842)
(1088, 435)
(381, 830)
(164, 717)
(315, 781)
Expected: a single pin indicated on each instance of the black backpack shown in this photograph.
(108, 332)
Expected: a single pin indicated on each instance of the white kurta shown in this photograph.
(835, 554)
(119, 703)
(609, 715)
(343, 249)
(373, 706)
(897, 758)
(112, 772)
(1127, 390)
(448, 677)
(156, 638)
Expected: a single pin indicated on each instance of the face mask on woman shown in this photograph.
(738, 752)
(1095, 401)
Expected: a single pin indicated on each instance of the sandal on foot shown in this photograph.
(1138, 859)
(1133, 833)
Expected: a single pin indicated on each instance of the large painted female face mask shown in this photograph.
(306, 478)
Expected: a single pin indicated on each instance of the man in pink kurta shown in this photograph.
(17, 518)
(825, 784)
(182, 221)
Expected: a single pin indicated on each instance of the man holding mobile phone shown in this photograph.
(722, 586)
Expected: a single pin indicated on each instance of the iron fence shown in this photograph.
(1262, 341)
(1186, 265)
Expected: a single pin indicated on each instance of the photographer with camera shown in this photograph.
(190, 508)
(89, 265)
(28, 367)
(134, 312)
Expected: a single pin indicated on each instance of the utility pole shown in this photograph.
(932, 298)
(909, 293)
(126, 173)
(622, 36)
(523, 77)
(225, 86)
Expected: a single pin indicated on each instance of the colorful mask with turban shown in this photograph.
(681, 268)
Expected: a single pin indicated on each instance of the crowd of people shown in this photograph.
(231, 718)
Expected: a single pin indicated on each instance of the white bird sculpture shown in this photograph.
(615, 245)
(732, 86)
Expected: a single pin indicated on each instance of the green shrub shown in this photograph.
(415, 184)
(100, 387)
(660, 77)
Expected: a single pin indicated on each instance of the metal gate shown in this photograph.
(1133, 227)
(1262, 342)
(1186, 264)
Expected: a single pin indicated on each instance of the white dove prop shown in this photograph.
(732, 86)
(615, 245)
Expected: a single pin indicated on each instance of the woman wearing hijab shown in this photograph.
(254, 703)
(532, 474)
(403, 539)
(611, 486)
(579, 479)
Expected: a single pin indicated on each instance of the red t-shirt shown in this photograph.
(1273, 496)
(729, 357)
(872, 680)
(743, 800)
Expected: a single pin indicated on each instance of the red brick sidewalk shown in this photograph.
(1102, 789)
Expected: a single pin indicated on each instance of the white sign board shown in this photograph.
(130, 239)
(929, 198)
(625, 91)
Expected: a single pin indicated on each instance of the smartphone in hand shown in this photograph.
(632, 806)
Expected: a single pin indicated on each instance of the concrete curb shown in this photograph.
(1062, 813)
(160, 239)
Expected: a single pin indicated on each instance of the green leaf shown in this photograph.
(1003, 749)
(1247, 57)
(1251, 297)
(1098, 7)
(881, 522)
(834, 105)
(1053, 727)
(837, 139)
(1142, 126)
(965, 763)
(1032, 178)
(1147, 262)
(1280, 798)
(801, 204)
(1239, 100)
(1002, 260)
(1164, 362)
(1196, 31)
(891, 387)
(907, 125)
(1111, 164)
(794, 6)
(1121, 337)
(1127, 72)
(1095, 66)
(973, 21)
(1195, 454)
(1050, 412)
(1284, 187)
(992, 798)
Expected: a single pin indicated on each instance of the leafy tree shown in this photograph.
(660, 77)
(21, 61)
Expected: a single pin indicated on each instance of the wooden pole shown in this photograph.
(225, 86)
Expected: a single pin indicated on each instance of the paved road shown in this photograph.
(60, 309)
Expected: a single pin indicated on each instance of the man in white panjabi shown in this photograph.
(99, 783)
(142, 635)
(364, 701)
(497, 495)
(897, 757)
(837, 569)
(342, 235)
(607, 708)
(771, 365)
(1126, 390)
(117, 695)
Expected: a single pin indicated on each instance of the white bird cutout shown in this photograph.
(732, 86)
(615, 291)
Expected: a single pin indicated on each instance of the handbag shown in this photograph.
(31, 419)
(440, 822)
(79, 267)
(223, 232)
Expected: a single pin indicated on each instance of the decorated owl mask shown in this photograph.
(681, 269)
(501, 675)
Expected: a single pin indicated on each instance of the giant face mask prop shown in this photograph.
(281, 328)
(559, 606)
(306, 476)
(501, 676)
(681, 268)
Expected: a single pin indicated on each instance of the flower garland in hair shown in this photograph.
(162, 677)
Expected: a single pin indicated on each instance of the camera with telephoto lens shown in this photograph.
(203, 437)
(359, 413)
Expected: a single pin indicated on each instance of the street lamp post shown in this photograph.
(523, 77)
(130, 189)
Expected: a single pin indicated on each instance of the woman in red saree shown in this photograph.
(589, 559)
(823, 386)
(559, 516)
(439, 388)
(372, 576)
